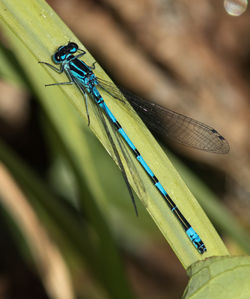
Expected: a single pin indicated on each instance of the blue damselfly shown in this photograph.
(176, 126)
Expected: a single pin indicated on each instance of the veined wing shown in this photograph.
(111, 133)
(170, 124)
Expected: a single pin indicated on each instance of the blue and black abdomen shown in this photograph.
(82, 75)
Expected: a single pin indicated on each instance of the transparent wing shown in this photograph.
(111, 134)
(172, 125)
(118, 158)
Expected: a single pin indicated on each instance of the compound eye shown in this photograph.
(57, 58)
(73, 47)
(60, 48)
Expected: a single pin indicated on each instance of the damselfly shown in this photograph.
(176, 126)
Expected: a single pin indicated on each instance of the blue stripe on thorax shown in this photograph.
(80, 67)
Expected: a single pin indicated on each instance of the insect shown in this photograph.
(179, 127)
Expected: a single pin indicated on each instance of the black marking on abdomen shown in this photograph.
(136, 152)
(117, 125)
(100, 100)
(154, 179)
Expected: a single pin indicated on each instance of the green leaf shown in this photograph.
(219, 277)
